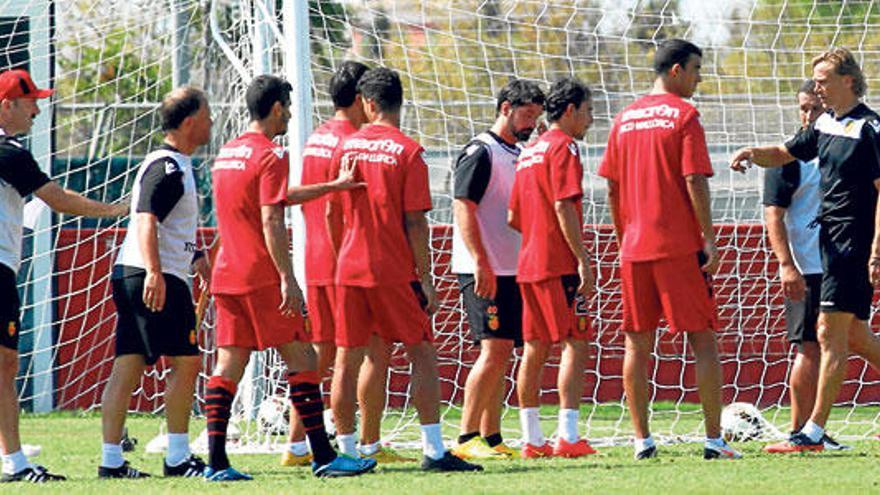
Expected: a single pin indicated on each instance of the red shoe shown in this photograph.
(796, 443)
(573, 449)
(530, 451)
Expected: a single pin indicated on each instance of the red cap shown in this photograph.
(18, 84)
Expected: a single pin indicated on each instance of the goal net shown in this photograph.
(113, 60)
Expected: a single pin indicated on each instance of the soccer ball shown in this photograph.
(741, 422)
(273, 416)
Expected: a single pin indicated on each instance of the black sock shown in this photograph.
(494, 439)
(467, 436)
(218, 402)
(305, 395)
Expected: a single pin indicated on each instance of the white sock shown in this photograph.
(15, 462)
(568, 425)
(369, 448)
(178, 449)
(641, 444)
(329, 424)
(814, 431)
(347, 444)
(300, 448)
(111, 455)
(531, 426)
(432, 441)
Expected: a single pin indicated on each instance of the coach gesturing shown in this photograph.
(846, 141)
(20, 176)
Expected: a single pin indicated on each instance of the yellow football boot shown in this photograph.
(506, 451)
(476, 448)
(290, 459)
(387, 455)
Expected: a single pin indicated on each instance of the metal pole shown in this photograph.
(297, 68)
(263, 15)
(181, 60)
(42, 361)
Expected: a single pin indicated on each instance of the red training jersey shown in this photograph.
(375, 250)
(654, 144)
(316, 168)
(548, 171)
(242, 184)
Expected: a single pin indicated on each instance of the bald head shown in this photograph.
(179, 104)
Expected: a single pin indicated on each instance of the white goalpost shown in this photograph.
(113, 60)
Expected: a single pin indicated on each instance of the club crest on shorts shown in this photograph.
(492, 313)
(581, 311)
(192, 337)
(11, 328)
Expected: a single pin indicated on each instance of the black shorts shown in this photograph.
(170, 332)
(10, 306)
(801, 316)
(500, 318)
(846, 285)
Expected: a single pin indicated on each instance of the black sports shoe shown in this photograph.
(448, 463)
(649, 453)
(192, 467)
(123, 471)
(128, 443)
(32, 474)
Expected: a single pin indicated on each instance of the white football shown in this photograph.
(741, 422)
(273, 416)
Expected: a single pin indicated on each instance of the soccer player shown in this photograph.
(791, 205)
(320, 257)
(20, 176)
(258, 300)
(154, 311)
(484, 255)
(383, 275)
(657, 166)
(845, 139)
(552, 270)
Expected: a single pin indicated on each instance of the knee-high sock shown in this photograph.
(305, 395)
(218, 403)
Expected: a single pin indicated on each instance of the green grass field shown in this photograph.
(71, 445)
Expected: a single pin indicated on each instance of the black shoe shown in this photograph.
(192, 467)
(832, 444)
(128, 443)
(448, 463)
(649, 453)
(32, 474)
(123, 471)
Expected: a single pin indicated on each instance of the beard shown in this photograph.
(523, 134)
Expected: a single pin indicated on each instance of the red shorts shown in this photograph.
(320, 301)
(253, 320)
(552, 312)
(395, 313)
(674, 286)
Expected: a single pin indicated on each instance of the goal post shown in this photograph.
(26, 29)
